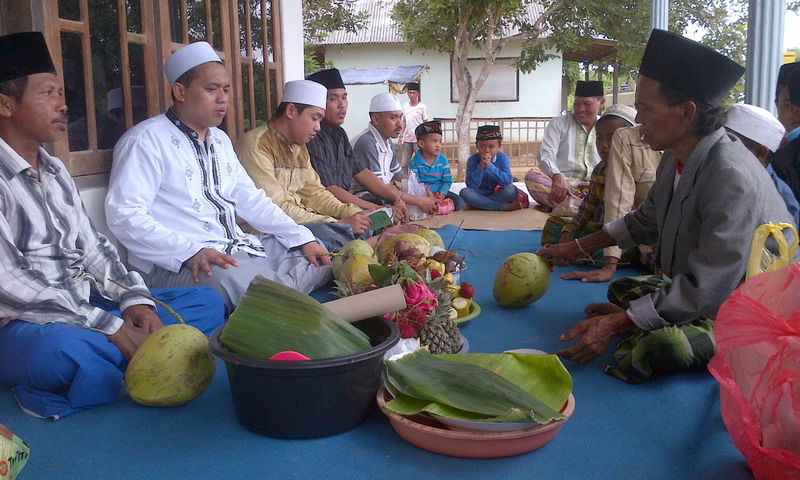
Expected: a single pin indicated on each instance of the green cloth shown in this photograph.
(664, 350)
(551, 233)
(375, 199)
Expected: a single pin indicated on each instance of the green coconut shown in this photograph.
(357, 246)
(521, 280)
(356, 269)
(172, 367)
(413, 240)
(432, 236)
(352, 247)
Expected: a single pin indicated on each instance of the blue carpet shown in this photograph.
(668, 428)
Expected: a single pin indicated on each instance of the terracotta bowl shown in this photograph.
(428, 434)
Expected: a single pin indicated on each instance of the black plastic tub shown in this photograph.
(312, 398)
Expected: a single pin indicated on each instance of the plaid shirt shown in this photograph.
(592, 207)
(50, 254)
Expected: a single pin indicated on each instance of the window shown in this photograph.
(111, 54)
(502, 84)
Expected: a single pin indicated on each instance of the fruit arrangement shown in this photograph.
(434, 302)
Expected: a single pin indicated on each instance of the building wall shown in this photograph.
(539, 91)
(292, 39)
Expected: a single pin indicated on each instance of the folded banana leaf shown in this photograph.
(479, 387)
(272, 318)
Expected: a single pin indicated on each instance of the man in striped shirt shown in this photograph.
(374, 148)
(62, 350)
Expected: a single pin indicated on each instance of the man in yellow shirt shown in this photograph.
(277, 159)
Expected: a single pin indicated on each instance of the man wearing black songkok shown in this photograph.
(332, 156)
(71, 314)
(708, 199)
(568, 154)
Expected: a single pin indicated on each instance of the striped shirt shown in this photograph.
(50, 254)
(435, 176)
(332, 157)
(377, 154)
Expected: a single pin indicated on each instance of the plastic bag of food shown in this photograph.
(757, 364)
(412, 186)
(14, 454)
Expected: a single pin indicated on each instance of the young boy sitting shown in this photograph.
(430, 166)
(489, 179)
(589, 218)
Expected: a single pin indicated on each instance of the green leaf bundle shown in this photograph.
(479, 387)
(272, 318)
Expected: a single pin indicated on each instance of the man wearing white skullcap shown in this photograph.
(374, 148)
(177, 188)
(762, 133)
(277, 159)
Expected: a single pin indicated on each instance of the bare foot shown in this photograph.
(467, 206)
(512, 206)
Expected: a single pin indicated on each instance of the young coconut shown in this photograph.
(521, 279)
(432, 236)
(356, 269)
(172, 367)
(387, 248)
(352, 247)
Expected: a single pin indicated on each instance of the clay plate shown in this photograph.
(429, 434)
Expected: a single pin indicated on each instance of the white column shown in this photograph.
(765, 25)
(292, 39)
(659, 14)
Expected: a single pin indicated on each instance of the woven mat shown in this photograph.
(527, 219)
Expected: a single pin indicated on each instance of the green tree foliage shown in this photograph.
(320, 18)
(461, 27)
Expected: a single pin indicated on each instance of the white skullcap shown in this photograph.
(384, 102)
(306, 92)
(189, 57)
(138, 98)
(756, 124)
(622, 111)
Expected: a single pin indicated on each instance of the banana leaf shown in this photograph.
(482, 387)
(272, 318)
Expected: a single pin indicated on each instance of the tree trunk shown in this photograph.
(462, 127)
(467, 90)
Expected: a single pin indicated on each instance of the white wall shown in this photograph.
(539, 91)
(292, 41)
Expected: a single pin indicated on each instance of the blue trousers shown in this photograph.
(458, 202)
(58, 369)
(484, 199)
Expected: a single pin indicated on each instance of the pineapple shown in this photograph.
(440, 334)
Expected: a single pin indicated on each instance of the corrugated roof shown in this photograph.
(380, 26)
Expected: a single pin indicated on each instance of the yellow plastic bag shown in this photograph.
(14, 454)
(761, 260)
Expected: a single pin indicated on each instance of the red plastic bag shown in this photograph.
(446, 206)
(757, 330)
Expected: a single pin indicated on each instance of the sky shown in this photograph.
(791, 31)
